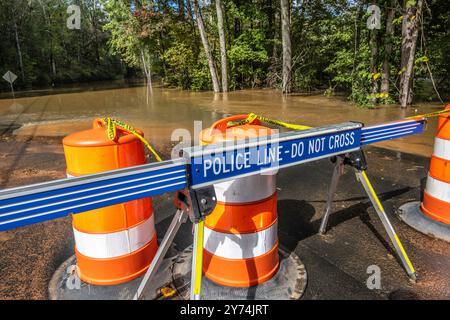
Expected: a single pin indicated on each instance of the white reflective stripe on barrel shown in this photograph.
(110, 245)
(240, 246)
(438, 189)
(442, 148)
(247, 189)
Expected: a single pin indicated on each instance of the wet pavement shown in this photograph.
(336, 263)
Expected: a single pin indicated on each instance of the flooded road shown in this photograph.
(34, 154)
(158, 114)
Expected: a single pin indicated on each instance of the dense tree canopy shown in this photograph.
(37, 45)
(294, 45)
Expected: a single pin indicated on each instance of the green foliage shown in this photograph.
(341, 68)
(180, 58)
(398, 20)
(328, 54)
(248, 58)
(189, 70)
(422, 59)
(247, 54)
(411, 3)
(350, 70)
(123, 28)
(201, 78)
(51, 53)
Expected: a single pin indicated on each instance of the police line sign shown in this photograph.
(216, 163)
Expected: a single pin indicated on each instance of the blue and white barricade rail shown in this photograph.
(200, 166)
(49, 200)
(393, 130)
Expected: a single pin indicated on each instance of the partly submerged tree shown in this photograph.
(133, 33)
(223, 47)
(208, 52)
(287, 47)
(388, 43)
(410, 30)
(291, 45)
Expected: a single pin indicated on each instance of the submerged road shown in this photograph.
(168, 109)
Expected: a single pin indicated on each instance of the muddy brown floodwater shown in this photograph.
(31, 129)
(167, 109)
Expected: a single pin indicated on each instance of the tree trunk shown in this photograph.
(223, 48)
(237, 21)
(189, 10)
(19, 50)
(357, 38)
(146, 65)
(48, 21)
(161, 37)
(95, 23)
(190, 15)
(270, 31)
(204, 37)
(410, 31)
(181, 8)
(277, 33)
(286, 43)
(373, 62)
(388, 47)
(301, 20)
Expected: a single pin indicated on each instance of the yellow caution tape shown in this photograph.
(252, 117)
(112, 133)
(167, 292)
(111, 129)
(112, 123)
(429, 115)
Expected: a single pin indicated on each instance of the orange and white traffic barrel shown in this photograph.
(436, 197)
(240, 239)
(113, 244)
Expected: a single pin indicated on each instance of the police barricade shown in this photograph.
(196, 171)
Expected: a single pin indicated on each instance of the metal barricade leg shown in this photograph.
(362, 177)
(338, 170)
(179, 218)
(197, 260)
(195, 204)
(358, 162)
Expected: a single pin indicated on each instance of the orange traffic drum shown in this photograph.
(432, 215)
(240, 240)
(113, 244)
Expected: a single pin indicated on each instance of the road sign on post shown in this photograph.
(10, 77)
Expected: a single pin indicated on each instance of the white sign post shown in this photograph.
(10, 77)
